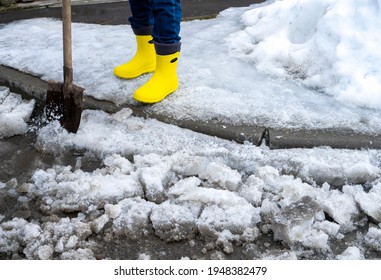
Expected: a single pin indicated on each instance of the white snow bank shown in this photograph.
(329, 44)
(14, 113)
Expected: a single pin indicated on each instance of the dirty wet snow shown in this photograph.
(162, 192)
(159, 181)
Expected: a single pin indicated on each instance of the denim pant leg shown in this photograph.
(142, 18)
(164, 15)
(167, 18)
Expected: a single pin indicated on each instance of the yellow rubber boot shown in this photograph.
(163, 82)
(144, 60)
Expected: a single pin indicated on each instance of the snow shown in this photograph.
(329, 44)
(373, 237)
(351, 253)
(293, 64)
(14, 113)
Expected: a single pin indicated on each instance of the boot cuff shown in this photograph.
(147, 30)
(166, 49)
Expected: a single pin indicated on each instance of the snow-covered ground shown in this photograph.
(14, 113)
(282, 63)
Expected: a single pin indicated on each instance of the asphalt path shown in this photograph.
(118, 12)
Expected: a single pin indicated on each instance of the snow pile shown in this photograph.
(329, 44)
(189, 186)
(64, 237)
(14, 113)
(74, 191)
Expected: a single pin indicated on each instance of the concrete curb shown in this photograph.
(335, 138)
(33, 87)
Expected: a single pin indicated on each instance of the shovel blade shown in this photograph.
(54, 102)
(64, 105)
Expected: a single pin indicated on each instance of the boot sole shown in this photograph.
(144, 70)
(148, 100)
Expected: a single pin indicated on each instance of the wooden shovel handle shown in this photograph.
(67, 43)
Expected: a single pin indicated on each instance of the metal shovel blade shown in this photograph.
(65, 105)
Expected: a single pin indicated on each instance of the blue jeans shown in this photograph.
(159, 18)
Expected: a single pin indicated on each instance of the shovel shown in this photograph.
(64, 101)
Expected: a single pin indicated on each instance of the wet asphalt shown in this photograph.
(116, 13)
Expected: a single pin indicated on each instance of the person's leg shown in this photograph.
(167, 18)
(144, 60)
(142, 19)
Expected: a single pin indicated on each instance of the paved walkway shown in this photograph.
(112, 11)
(117, 13)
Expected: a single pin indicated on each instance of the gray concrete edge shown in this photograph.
(33, 87)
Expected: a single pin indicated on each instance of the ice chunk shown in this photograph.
(252, 190)
(123, 114)
(133, 219)
(98, 224)
(82, 230)
(330, 228)
(340, 206)
(271, 178)
(14, 113)
(188, 190)
(45, 252)
(184, 186)
(71, 242)
(222, 175)
(143, 256)
(235, 219)
(224, 239)
(79, 254)
(279, 255)
(316, 239)
(173, 222)
(119, 163)
(369, 202)
(191, 165)
(373, 238)
(64, 190)
(351, 253)
(293, 224)
(153, 180)
(15, 233)
(113, 211)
